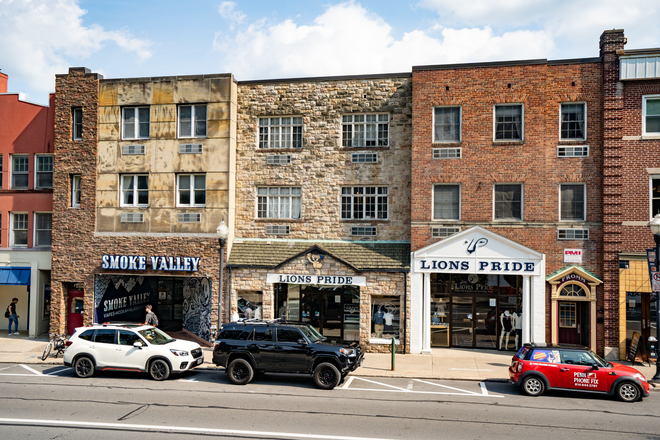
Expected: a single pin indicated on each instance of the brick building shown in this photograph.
(26, 204)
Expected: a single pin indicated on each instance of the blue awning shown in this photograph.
(15, 276)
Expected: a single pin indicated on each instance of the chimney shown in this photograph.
(3, 83)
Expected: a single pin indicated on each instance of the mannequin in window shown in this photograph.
(379, 322)
(518, 321)
(257, 313)
(389, 314)
(507, 326)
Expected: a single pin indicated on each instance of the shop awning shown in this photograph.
(15, 276)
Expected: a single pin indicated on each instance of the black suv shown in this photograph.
(244, 348)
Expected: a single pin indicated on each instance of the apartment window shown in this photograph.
(44, 174)
(572, 202)
(43, 225)
(508, 201)
(447, 124)
(189, 217)
(651, 115)
(284, 132)
(277, 229)
(655, 196)
(573, 122)
(135, 123)
(135, 190)
(444, 232)
(75, 191)
(133, 150)
(278, 202)
(364, 202)
(20, 166)
(572, 234)
(192, 190)
(192, 121)
(19, 229)
(371, 130)
(0, 170)
(446, 202)
(77, 123)
(364, 231)
(509, 122)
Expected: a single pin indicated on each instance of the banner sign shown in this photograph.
(653, 275)
(572, 255)
(325, 280)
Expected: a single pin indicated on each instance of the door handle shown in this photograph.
(563, 369)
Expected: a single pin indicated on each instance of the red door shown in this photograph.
(570, 325)
(76, 306)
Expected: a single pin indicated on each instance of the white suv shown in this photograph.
(129, 347)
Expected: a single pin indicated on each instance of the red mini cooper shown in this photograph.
(539, 367)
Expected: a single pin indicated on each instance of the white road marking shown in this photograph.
(445, 386)
(58, 371)
(403, 390)
(31, 369)
(469, 369)
(422, 392)
(24, 375)
(6, 368)
(410, 385)
(348, 382)
(182, 429)
(383, 384)
(484, 390)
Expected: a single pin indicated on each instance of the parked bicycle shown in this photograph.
(57, 343)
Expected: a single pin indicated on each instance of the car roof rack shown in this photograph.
(260, 321)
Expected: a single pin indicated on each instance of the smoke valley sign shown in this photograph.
(139, 262)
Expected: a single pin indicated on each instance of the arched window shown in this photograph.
(573, 290)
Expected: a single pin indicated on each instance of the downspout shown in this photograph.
(405, 308)
(231, 276)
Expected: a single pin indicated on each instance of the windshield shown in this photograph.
(599, 359)
(155, 336)
(311, 333)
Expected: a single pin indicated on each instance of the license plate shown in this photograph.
(199, 361)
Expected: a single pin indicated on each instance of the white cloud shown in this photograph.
(226, 10)
(348, 39)
(45, 37)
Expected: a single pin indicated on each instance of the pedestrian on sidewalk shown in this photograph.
(11, 314)
(151, 318)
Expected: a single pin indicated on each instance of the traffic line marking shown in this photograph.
(484, 390)
(470, 369)
(444, 386)
(158, 428)
(58, 371)
(31, 369)
(348, 382)
(410, 390)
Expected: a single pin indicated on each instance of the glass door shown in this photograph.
(485, 322)
(461, 321)
(332, 315)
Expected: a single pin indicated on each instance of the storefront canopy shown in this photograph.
(15, 276)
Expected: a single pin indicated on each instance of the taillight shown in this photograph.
(215, 344)
(68, 343)
(520, 365)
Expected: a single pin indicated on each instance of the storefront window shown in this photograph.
(440, 306)
(46, 301)
(352, 314)
(250, 304)
(287, 300)
(385, 317)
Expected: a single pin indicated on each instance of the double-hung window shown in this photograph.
(364, 203)
(135, 190)
(573, 122)
(77, 123)
(135, 122)
(509, 122)
(447, 124)
(192, 190)
(75, 191)
(368, 130)
(19, 229)
(43, 225)
(284, 132)
(446, 202)
(651, 115)
(20, 166)
(44, 174)
(655, 196)
(278, 202)
(192, 121)
(572, 201)
(508, 201)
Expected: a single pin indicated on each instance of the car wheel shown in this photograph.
(326, 376)
(533, 386)
(84, 367)
(240, 372)
(159, 370)
(628, 392)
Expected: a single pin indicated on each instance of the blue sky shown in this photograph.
(261, 39)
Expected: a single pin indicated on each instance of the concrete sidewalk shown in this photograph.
(442, 363)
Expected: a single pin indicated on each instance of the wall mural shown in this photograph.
(197, 306)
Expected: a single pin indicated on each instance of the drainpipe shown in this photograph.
(405, 308)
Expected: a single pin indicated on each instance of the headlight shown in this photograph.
(179, 352)
(640, 376)
(347, 351)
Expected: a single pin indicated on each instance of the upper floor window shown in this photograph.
(77, 123)
(651, 115)
(508, 201)
(75, 190)
(43, 225)
(192, 121)
(20, 166)
(447, 124)
(446, 202)
(371, 130)
(573, 121)
(278, 202)
(19, 229)
(364, 203)
(135, 123)
(135, 190)
(572, 200)
(0, 170)
(44, 173)
(284, 132)
(509, 122)
(192, 190)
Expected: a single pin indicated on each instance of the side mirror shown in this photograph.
(137, 344)
(595, 367)
(301, 341)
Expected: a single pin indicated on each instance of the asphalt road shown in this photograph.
(46, 402)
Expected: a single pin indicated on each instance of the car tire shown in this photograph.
(533, 386)
(240, 372)
(326, 376)
(159, 370)
(628, 392)
(84, 367)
